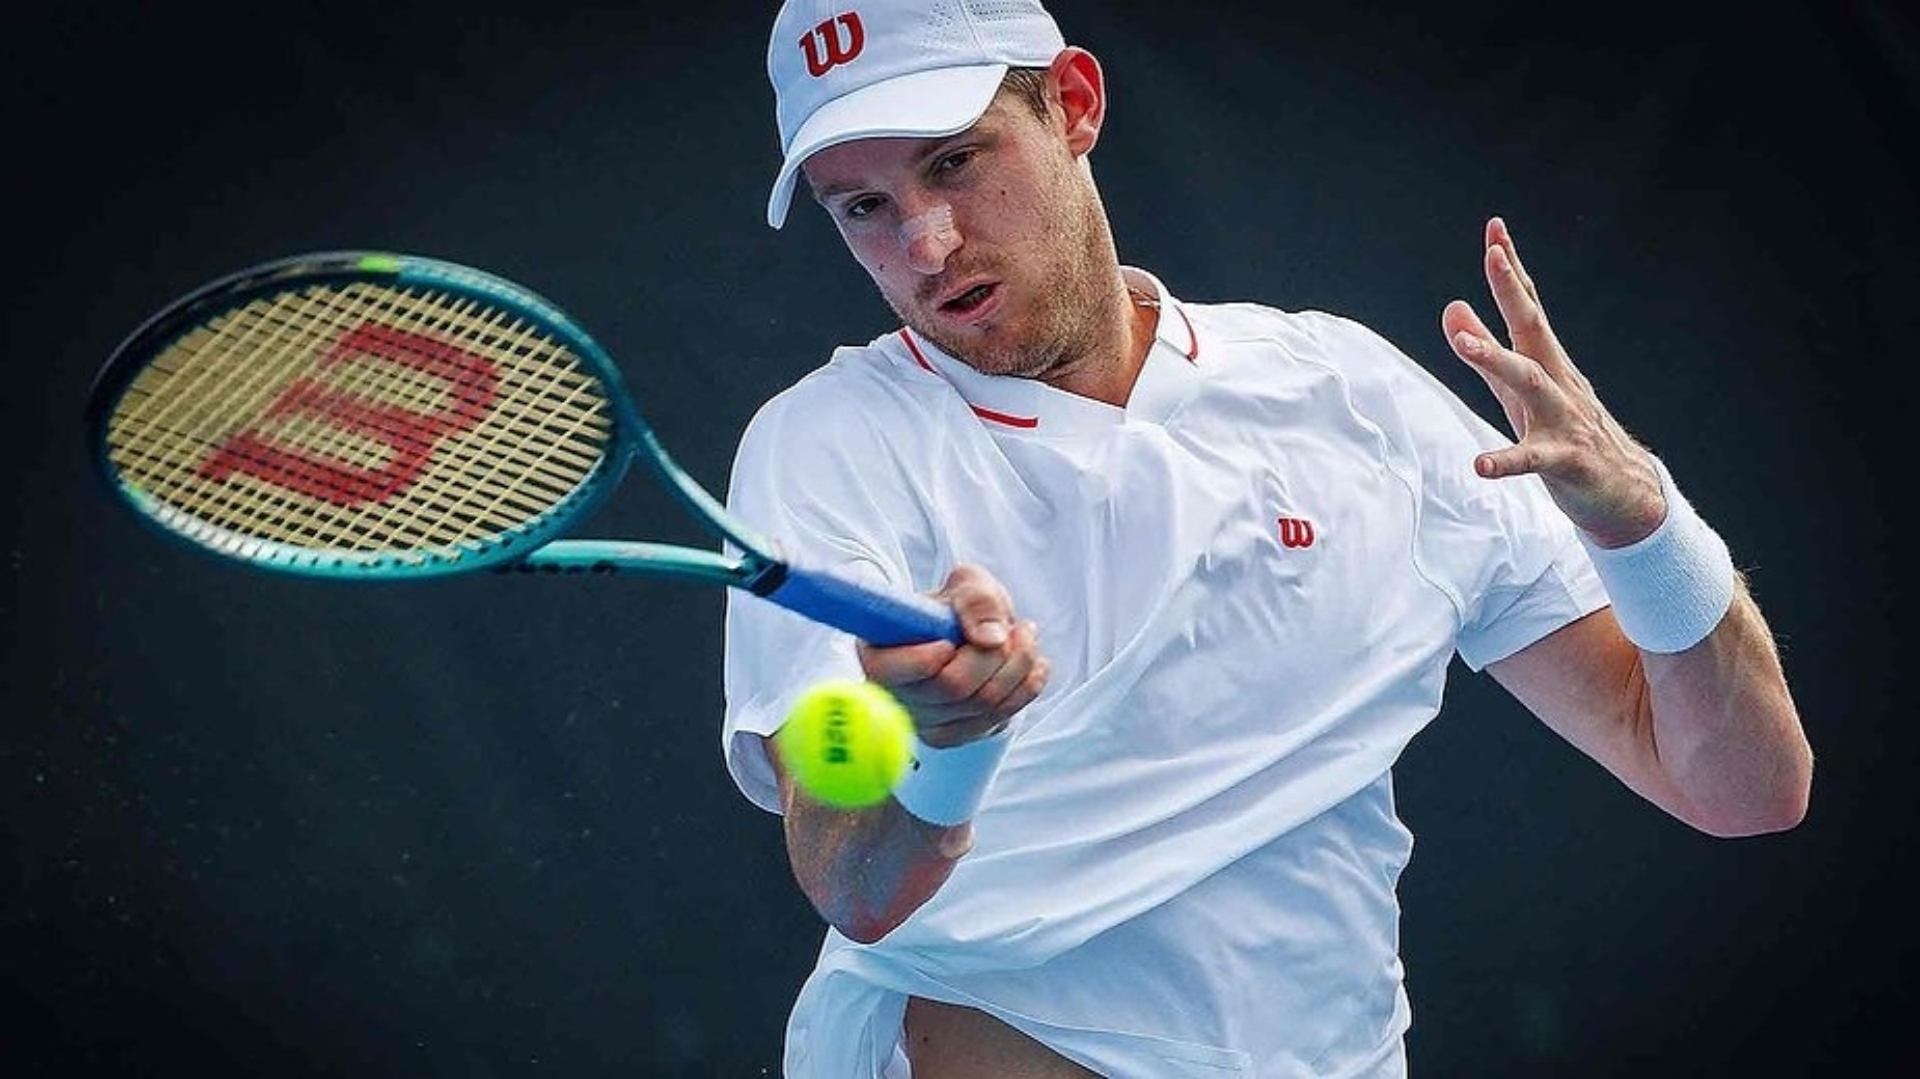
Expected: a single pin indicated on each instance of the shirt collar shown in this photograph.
(1169, 374)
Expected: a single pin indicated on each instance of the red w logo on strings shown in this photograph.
(826, 49)
(409, 434)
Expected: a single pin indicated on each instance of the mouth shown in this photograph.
(969, 301)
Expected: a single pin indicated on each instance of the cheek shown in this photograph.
(873, 256)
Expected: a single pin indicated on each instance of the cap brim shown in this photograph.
(925, 104)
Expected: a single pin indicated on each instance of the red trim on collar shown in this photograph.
(1030, 422)
(915, 349)
(1193, 339)
(1025, 422)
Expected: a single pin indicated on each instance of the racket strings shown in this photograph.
(381, 419)
(180, 407)
(525, 470)
(369, 418)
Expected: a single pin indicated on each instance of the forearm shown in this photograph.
(1725, 728)
(866, 870)
(1717, 718)
(1678, 689)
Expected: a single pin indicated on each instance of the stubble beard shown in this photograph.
(1059, 315)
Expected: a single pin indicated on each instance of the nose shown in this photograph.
(928, 239)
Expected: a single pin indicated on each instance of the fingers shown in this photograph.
(980, 691)
(1474, 343)
(981, 602)
(986, 619)
(1499, 236)
(1514, 294)
(1459, 318)
(1524, 391)
(1516, 298)
(958, 693)
(1526, 377)
(1508, 372)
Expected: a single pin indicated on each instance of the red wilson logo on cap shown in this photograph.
(826, 49)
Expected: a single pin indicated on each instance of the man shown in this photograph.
(1211, 563)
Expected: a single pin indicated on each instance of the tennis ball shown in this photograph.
(846, 742)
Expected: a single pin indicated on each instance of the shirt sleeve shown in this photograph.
(1505, 554)
(813, 473)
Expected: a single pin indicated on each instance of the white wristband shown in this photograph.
(1670, 589)
(945, 786)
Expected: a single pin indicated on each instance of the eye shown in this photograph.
(860, 208)
(950, 163)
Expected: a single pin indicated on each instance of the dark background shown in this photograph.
(480, 827)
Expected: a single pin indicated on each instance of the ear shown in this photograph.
(1075, 77)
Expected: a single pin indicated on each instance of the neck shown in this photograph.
(1117, 349)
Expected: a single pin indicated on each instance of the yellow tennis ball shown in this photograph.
(846, 742)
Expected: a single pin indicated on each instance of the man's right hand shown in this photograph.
(960, 693)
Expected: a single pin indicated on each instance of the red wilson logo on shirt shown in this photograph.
(826, 49)
(1296, 532)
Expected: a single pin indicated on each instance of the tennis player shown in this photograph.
(1212, 562)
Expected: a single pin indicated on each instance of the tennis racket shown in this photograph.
(369, 416)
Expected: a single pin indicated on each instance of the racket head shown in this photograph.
(362, 414)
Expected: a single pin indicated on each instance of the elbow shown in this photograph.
(1790, 810)
(1784, 816)
(848, 897)
(1764, 790)
(866, 930)
(859, 922)
(1781, 808)
(866, 871)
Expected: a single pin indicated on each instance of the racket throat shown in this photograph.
(767, 580)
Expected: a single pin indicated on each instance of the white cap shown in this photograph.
(856, 69)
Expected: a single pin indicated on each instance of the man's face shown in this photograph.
(980, 241)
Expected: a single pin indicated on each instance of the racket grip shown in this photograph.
(882, 618)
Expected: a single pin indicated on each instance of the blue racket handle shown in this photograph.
(882, 618)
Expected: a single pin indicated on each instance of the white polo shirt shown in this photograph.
(1250, 582)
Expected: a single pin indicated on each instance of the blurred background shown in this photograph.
(480, 827)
